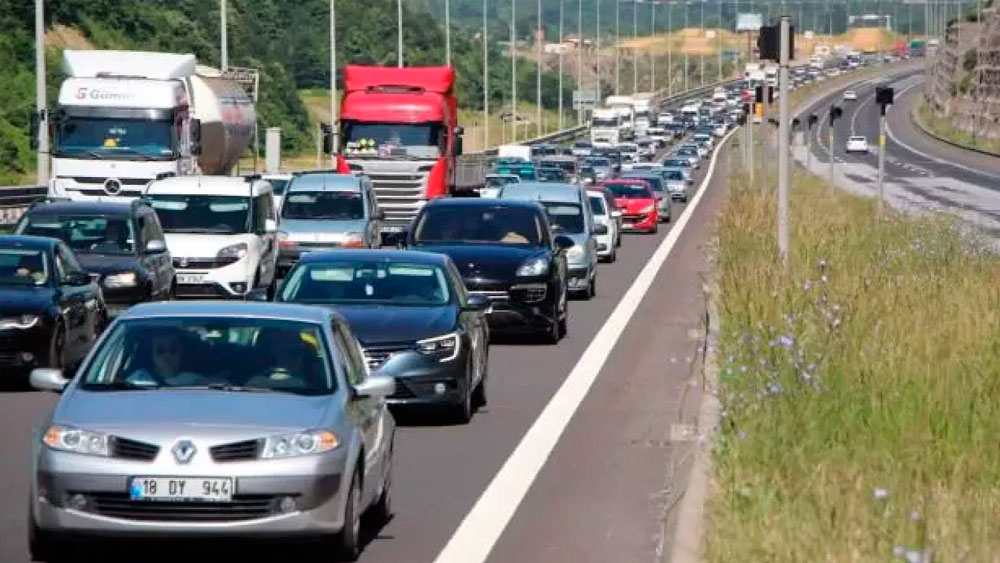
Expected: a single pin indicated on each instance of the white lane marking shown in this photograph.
(857, 110)
(473, 541)
(932, 158)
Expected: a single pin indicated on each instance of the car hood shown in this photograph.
(321, 230)
(107, 263)
(386, 324)
(196, 245)
(634, 205)
(483, 262)
(25, 300)
(188, 410)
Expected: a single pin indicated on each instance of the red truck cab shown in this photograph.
(399, 126)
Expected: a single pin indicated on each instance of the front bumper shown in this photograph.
(578, 278)
(524, 306)
(422, 380)
(605, 245)
(228, 282)
(23, 350)
(255, 510)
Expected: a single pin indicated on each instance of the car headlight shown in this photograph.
(69, 439)
(353, 240)
(299, 443)
(649, 209)
(574, 253)
(237, 251)
(533, 267)
(121, 279)
(448, 344)
(24, 322)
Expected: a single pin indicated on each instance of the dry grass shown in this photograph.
(860, 390)
(942, 127)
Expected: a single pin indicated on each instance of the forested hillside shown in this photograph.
(287, 40)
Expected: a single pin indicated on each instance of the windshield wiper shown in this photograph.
(76, 152)
(134, 151)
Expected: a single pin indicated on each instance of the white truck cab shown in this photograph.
(605, 127)
(221, 232)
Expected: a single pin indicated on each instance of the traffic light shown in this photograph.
(813, 119)
(795, 122)
(326, 131)
(883, 97)
(770, 95)
(759, 93)
(769, 42)
(835, 113)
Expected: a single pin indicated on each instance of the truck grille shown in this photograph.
(400, 187)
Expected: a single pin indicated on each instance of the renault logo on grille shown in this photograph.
(112, 186)
(183, 451)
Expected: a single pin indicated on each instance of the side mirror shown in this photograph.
(48, 379)
(459, 144)
(270, 226)
(563, 242)
(156, 246)
(77, 278)
(327, 142)
(376, 386)
(196, 137)
(478, 302)
(600, 229)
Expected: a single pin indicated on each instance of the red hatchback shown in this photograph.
(637, 201)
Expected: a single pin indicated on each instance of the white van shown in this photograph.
(221, 232)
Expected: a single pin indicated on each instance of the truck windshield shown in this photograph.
(393, 140)
(202, 213)
(341, 206)
(114, 138)
(604, 122)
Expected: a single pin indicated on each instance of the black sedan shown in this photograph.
(120, 243)
(505, 250)
(412, 315)
(51, 311)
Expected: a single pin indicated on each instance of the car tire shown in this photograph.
(614, 257)
(462, 412)
(553, 332)
(479, 395)
(348, 541)
(57, 348)
(592, 287)
(45, 546)
(655, 229)
(381, 512)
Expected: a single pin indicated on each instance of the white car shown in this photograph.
(494, 183)
(221, 232)
(856, 143)
(850, 96)
(605, 214)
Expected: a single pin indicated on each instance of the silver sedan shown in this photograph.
(214, 419)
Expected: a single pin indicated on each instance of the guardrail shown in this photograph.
(15, 199)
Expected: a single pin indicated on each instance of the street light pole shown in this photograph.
(42, 165)
(399, 33)
(652, 47)
(538, 74)
(687, 24)
(486, 79)
(718, 40)
(701, 56)
(670, 48)
(597, 51)
(513, 71)
(223, 35)
(635, 50)
(618, 48)
(447, 32)
(783, 126)
(334, 118)
(579, 54)
(561, 7)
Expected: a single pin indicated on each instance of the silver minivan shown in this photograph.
(325, 211)
(569, 214)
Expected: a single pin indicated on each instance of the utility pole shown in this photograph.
(538, 73)
(883, 97)
(618, 48)
(42, 157)
(701, 56)
(635, 50)
(835, 113)
(486, 79)
(223, 35)
(783, 122)
(399, 33)
(597, 51)
(579, 54)
(718, 40)
(670, 49)
(687, 24)
(513, 71)
(334, 118)
(652, 46)
(447, 32)
(561, 6)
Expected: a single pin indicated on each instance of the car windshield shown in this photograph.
(629, 191)
(677, 162)
(654, 181)
(227, 354)
(565, 217)
(202, 213)
(499, 181)
(598, 162)
(551, 174)
(278, 185)
(93, 234)
(472, 225)
(393, 140)
(338, 206)
(673, 175)
(114, 138)
(367, 282)
(23, 267)
(597, 204)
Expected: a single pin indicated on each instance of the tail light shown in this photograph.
(284, 241)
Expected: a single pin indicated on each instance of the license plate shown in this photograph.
(190, 279)
(210, 489)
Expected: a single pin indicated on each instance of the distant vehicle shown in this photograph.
(659, 186)
(221, 233)
(569, 214)
(326, 211)
(602, 166)
(51, 310)
(918, 48)
(567, 164)
(606, 127)
(550, 174)
(120, 243)
(677, 184)
(701, 147)
(857, 143)
(183, 405)
(850, 96)
(512, 152)
(524, 170)
(495, 182)
(602, 207)
(506, 252)
(638, 204)
(658, 134)
(436, 347)
(582, 148)
(691, 153)
(278, 183)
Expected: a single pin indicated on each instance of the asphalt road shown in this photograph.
(605, 492)
(921, 172)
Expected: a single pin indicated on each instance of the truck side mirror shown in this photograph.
(328, 143)
(458, 145)
(196, 137)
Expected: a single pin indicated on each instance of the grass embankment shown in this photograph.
(860, 389)
(943, 128)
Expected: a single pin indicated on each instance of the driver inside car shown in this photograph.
(290, 360)
(165, 355)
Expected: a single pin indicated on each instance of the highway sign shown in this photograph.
(584, 99)
(749, 22)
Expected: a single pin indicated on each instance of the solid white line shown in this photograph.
(475, 537)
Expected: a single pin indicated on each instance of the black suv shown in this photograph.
(505, 251)
(119, 243)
